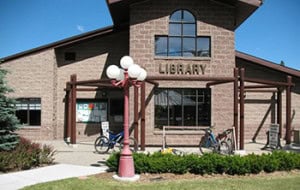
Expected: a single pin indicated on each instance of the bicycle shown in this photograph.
(228, 136)
(103, 144)
(209, 143)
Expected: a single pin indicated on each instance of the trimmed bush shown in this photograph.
(210, 163)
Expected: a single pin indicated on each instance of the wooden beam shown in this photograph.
(143, 112)
(73, 109)
(235, 104)
(68, 111)
(190, 78)
(260, 90)
(136, 115)
(259, 86)
(242, 108)
(152, 82)
(218, 82)
(260, 81)
(279, 111)
(288, 110)
(83, 82)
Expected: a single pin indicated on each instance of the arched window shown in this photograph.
(182, 39)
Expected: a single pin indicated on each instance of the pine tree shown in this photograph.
(8, 120)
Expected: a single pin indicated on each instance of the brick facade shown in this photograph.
(43, 74)
(152, 18)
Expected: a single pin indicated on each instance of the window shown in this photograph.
(182, 107)
(70, 56)
(116, 110)
(182, 40)
(28, 111)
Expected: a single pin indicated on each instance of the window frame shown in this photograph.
(168, 53)
(29, 101)
(205, 93)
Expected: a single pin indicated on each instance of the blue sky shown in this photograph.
(271, 33)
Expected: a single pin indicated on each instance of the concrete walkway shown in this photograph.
(70, 161)
(21, 179)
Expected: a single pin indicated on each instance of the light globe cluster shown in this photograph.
(134, 70)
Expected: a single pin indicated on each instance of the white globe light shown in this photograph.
(143, 75)
(134, 71)
(126, 61)
(113, 72)
(121, 75)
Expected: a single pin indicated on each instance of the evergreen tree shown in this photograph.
(8, 120)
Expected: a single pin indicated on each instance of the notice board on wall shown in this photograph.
(94, 112)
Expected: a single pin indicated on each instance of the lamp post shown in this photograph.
(129, 75)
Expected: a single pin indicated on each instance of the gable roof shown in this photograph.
(267, 64)
(119, 9)
(64, 42)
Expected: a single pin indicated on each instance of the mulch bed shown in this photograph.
(188, 176)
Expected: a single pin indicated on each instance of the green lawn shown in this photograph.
(289, 181)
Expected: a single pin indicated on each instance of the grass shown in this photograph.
(288, 181)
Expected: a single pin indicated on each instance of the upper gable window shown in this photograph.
(182, 40)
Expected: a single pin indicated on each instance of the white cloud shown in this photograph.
(80, 28)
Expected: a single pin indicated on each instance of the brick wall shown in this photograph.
(33, 77)
(92, 59)
(151, 18)
(261, 108)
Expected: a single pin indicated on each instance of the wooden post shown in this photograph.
(288, 110)
(242, 107)
(68, 112)
(279, 111)
(73, 109)
(135, 115)
(235, 104)
(143, 111)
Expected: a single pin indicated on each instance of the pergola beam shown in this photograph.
(260, 81)
(190, 78)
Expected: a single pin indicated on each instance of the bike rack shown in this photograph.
(176, 127)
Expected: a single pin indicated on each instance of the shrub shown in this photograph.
(286, 161)
(113, 161)
(25, 156)
(255, 163)
(209, 163)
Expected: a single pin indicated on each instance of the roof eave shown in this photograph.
(119, 9)
(64, 42)
(268, 64)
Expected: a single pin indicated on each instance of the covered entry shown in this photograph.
(241, 84)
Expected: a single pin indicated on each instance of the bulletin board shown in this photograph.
(94, 112)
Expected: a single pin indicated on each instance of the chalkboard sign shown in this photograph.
(274, 136)
(273, 141)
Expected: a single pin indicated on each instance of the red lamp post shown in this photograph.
(131, 75)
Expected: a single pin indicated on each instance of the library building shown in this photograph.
(194, 78)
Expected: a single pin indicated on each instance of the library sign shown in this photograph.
(182, 69)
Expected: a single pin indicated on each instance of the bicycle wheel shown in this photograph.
(206, 146)
(132, 144)
(224, 148)
(101, 145)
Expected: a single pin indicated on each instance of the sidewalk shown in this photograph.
(17, 180)
(71, 161)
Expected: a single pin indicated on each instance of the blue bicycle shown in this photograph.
(103, 144)
(210, 143)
